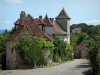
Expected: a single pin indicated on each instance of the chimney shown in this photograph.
(51, 19)
(22, 15)
(40, 17)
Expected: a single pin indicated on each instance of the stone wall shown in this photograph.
(49, 30)
(63, 23)
(10, 55)
(47, 54)
(13, 60)
(64, 37)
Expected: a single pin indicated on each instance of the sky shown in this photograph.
(80, 11)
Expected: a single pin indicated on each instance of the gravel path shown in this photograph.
(76, 67)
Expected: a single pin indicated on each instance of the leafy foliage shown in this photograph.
(12, 31)
(46, 44)
(7, 33)
(3, 38)
(77, 39)
(61, 52)
(30, 51)
(2, 43)
(81, 38)
(94, 49)
(84, 26)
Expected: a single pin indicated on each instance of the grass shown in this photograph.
(57, 63)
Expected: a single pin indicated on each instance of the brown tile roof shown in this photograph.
(63, 14)
(57, 29)
(16, 33)
(29, 16)
(20, 22)
(39, 21)
(31, 25)
(81, 46)
(47, 22)
(34, 28)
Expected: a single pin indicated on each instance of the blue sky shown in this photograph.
(87, 11)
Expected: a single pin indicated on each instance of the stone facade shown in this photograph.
(76, 30)
(81, 50)
(40, 28)
(49, 31)
(63, 21)
(10, 55)
(65, 25)
(13, 60)
(47, 54)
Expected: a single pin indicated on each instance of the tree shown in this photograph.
(12, 31)
(91, 26)
(94, 49)
(2, 52)
(84, 26)
(81, 38)
(73, 26)
(5, 31)
(2, 43)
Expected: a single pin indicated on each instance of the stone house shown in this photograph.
(76, 30)
(40, 28)
(81, 50)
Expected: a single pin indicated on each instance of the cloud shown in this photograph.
(15, 1)
(93, 22)
(7, 22)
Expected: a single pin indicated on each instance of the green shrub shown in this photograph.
(30, 51)
(94, 49)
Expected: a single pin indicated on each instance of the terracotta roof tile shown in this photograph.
(16, 33)
(32, 26)
(57, 29)
(29, 17)
(81, 46)
(39, 21)
(20, 22)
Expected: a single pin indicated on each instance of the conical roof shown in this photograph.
(63, 14)
(47, 21)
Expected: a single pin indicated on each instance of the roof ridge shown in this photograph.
(29, 29)
(29, 16)
(58, 27)
(16, 32)
(48, 20)
(42, 31)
